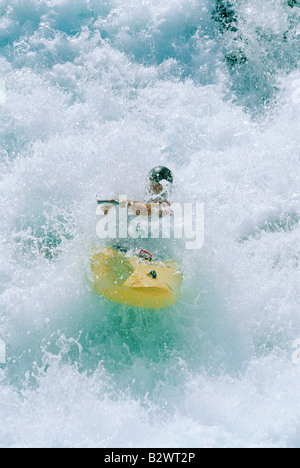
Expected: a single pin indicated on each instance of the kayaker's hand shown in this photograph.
(106, 209)
(138, 208)
(147, 209)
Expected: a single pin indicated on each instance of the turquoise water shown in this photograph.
(96, 93)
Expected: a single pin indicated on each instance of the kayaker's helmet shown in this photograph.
(159, 174)
(161, 181)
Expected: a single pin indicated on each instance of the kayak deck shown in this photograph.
(135, 281)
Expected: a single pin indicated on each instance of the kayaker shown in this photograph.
(160, 180)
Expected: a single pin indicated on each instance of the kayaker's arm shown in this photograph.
(107, 205)
(147, 209)
(137, 208)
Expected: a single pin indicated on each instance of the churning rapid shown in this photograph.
(93, 94)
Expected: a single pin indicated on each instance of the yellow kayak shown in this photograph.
(135, 281)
